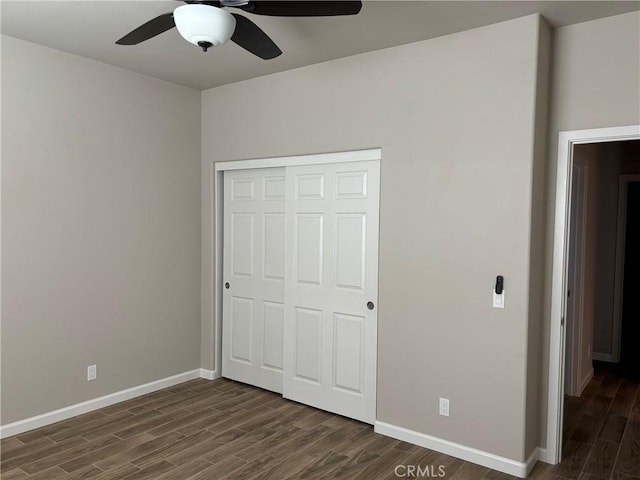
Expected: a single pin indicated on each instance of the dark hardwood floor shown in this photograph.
(210, 430)
(601, 434)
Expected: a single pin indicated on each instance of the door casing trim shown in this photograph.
(555, 391)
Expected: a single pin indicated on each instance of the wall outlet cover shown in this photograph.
(444, 407)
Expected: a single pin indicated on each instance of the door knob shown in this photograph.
(370, 305)
(226, 285)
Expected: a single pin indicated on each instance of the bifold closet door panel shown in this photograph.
(253, 277)
(331, 287)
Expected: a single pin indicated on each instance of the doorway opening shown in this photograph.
(592, 387)
(601, 366)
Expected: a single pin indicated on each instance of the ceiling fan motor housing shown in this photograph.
(204, 25)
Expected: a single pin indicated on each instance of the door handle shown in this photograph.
(226, 285)
(370, 305)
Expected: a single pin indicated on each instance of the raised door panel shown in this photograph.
(273, 245)
(273, 341)
(308, 248)
(274, 187)
(350, 255)
(348, 358)
(241, 329)
(309, 186)
(308, 344)
(242, 243)
(243, 189)
(351, 184)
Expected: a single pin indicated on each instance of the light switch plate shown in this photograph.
(498, 300)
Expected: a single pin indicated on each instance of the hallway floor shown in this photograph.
(601, 435)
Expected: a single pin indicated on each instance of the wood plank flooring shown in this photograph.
(601, 432)
(210, 430)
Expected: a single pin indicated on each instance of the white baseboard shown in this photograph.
(535, 456)
(603, 357)
(48, 418)
(209, 374)
(545, 456)
(486, 459)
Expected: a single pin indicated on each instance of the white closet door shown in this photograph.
(331, 275)
(253, 276)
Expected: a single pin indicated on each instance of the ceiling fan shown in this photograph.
(207, 24)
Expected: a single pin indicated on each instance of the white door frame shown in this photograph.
(218, 169)
(619, 271)
(566, 142)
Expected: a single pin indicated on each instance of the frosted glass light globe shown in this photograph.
(204, 25)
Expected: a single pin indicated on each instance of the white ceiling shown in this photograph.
(90, 28)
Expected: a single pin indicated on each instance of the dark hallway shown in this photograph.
(630, 352)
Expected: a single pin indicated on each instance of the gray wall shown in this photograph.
(100, 229)
(595, 78)
(537, 235)
(455, 117)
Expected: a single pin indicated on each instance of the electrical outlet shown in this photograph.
(92, 372)
(444, 407)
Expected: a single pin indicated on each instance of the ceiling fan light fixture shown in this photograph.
(204, 25)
